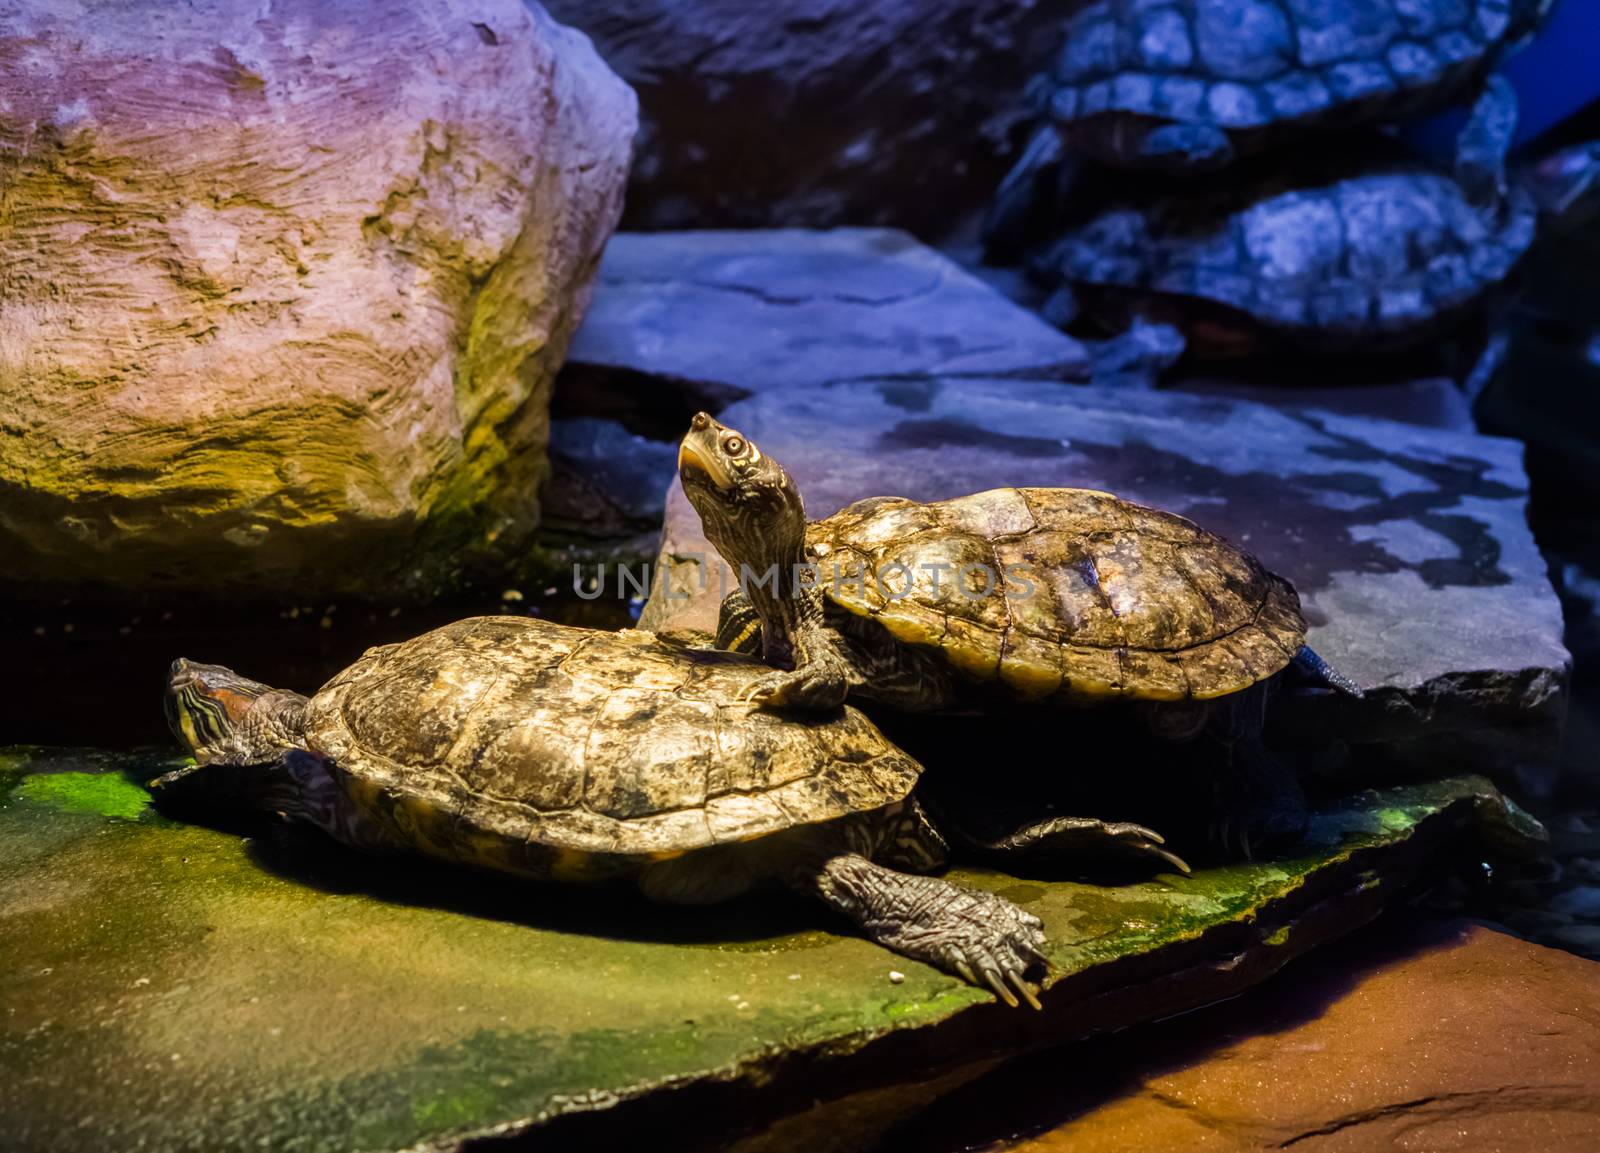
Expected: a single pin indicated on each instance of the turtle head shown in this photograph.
(246, 741)
(748, 504)
(210, 709)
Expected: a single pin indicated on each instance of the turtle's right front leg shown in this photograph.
(978, 936)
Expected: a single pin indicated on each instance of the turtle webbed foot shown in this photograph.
(982, 938)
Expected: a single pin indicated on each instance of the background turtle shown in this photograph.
(1377, 260)
(1191, 85)
(562, 754)
(1063, 597)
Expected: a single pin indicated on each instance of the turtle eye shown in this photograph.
(734, 446)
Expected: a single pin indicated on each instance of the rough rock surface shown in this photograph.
(278, 991)
(1435, 401)
(1463, 1038)
(722, 315)
(1409, 546)
(283, 291)
(606, 484)
(815, 112)
(692, 320)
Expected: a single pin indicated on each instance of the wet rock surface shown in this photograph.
(1409, 546)
(251, 984)
(819, 113)
(285, 292)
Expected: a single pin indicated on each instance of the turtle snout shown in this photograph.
(701, 421)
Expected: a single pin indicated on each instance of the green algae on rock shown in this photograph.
(278, 991)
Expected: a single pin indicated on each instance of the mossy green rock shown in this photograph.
(172, 986)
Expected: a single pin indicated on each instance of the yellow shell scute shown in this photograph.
(1031, 667)
(972, 649)
(1091, 674)
(913, 628)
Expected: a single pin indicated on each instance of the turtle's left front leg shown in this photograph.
(980, 937)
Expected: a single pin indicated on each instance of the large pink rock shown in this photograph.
(283, 287)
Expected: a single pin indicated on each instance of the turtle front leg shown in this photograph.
(821, 679)
(982, 938)
(1483, 143)
(1074, 838)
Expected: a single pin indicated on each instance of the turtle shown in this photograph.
(1045, 597)
(1190, 86)
(1374, 261)
(563, 754)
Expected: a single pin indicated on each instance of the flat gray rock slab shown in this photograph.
(723, 315)
(682, 321)
(1409, 545)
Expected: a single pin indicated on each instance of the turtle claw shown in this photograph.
(800, 690)
(1149, 841)
(1025, 987)
(1013, 944)
(1066, 837)
(1174, 860)
(1001, 989)
(757, 693)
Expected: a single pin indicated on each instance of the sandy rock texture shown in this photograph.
(283, 287)
(820, 112)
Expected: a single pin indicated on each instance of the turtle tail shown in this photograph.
(1317, 669)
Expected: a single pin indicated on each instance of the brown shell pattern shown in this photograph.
(586, 742)
(1063, 592)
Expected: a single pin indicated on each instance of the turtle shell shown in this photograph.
(1066, 593)
(1382, 257)
(1249, 65)
(509, 731)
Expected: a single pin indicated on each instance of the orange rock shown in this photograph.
(1474, 1041)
